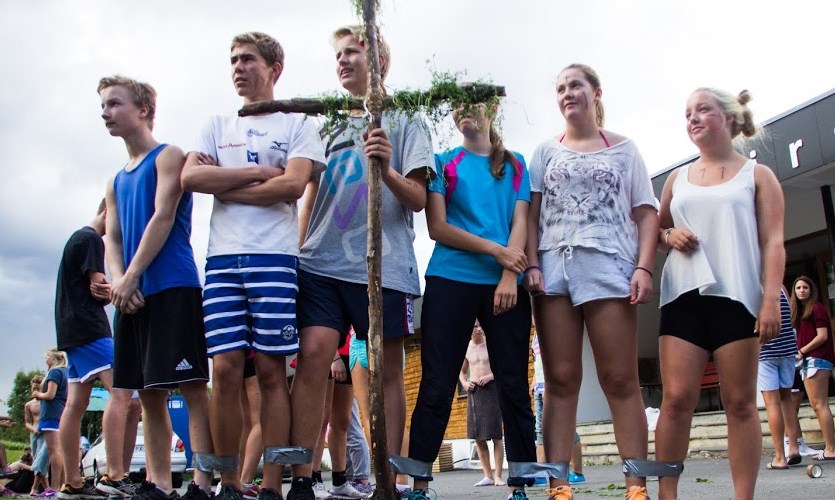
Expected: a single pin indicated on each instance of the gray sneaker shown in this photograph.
(346, 491)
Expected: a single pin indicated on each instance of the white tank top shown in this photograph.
(727, 262)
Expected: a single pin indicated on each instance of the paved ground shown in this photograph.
(707, 478)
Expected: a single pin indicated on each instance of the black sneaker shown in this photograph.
(149, 491)
(112, 488)
(85, 492)
(301, 489)
(270, 494)
(194, 492)
(227, 492)
(142, 488)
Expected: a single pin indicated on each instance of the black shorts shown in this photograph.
(337, 304)
(249, 366)
(163, 344)
(798, 383)
(707, 321)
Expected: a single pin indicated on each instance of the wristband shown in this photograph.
(667, 235)
(338, 358)
(529, 268)
(645, 270)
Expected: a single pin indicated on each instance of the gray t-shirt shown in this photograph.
(335, 245)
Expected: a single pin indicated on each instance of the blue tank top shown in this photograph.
(174, 265)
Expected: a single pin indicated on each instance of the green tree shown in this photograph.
(20, 394)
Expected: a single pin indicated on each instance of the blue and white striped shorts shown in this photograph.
(250, 301)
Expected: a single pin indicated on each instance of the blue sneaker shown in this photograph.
(574, 478)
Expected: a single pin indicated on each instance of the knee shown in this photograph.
(226, 376)
(619, 384)
(563, 384)
(818, 405)
(678, 404)
(740, 407)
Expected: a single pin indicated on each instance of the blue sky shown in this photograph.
(57, 155)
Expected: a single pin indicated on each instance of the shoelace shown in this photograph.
(636, 493)
(518, 495)
(560, 493)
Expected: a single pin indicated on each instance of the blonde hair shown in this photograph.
(141, 93)
(737, 108)
(358, 32)
(267, 46)
(594, 81)
(499, 155)
(59, 357)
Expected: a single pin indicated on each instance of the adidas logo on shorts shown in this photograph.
(183, 365)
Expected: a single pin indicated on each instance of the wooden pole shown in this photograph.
(374, 242)
(479, 92)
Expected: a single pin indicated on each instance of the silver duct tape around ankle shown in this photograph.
(412, 467)
(288, 455)
(206, 462)
(650, 468)
(558, 470)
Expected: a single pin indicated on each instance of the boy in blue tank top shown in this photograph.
(159, 342)
(256, 167)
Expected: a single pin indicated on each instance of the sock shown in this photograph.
(317, 476)
(338, 478)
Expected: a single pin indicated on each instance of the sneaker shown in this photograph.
(346, 491)
(268, 494)
(560, 493)
(149, 491)
(319, 491)
(575, 478)
(418, 495)
(228, 492)
(805, 450)
(300, 491)
(85, 491)
(111, 487)
(47, 493)
(139, 490)
(250, 491)
(518, 494)
(6, 492)
(485, 481)
(636, 493)
(365, 488)
(194, 492)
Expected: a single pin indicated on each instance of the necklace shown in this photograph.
(703, 169)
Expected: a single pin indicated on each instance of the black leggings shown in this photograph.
(450, 309)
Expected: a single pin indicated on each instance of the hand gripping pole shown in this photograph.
(650, 468)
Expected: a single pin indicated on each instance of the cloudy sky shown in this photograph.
(57, 155)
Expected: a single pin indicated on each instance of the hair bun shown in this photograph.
(744, 97)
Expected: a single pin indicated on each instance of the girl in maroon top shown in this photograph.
(815, 348)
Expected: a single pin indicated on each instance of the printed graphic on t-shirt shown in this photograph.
(580, 194)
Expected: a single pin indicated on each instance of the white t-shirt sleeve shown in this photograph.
(306, 143)
(417, 146)
(206, 142)
(641, 189)
(536, 169)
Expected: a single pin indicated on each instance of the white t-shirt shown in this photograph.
(237, 142)
(587, 198)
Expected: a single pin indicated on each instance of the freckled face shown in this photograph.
(575, 95)
(705, 118)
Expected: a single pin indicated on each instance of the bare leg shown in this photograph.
(498, 458)
(817, 388)
(560, 328)
(114, 422)
(682, 367)
(53, 448)
(791, 424)
(131, 424)
(197, 399)
(226, 418)
(577, 458)
(359, 379)
(395, 393)
(340, 418)
(317, 348)
(275, 400)
(484, 458)
(736, 364)
(775, 426)
(613, 334)
(320, 444)
(157, 434)
(254, 446)
(78, 398)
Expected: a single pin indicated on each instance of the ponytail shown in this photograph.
(499, 155)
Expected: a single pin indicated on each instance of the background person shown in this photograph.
(816, 349)
(722, 220)
(53, 398)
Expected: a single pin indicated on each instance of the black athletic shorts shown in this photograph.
(348, 381)
(163, 344)
(337, 304)
(249, 366)
(707, 321)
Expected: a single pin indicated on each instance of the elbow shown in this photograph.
(187, 181)
(419, 203)
(297, 190)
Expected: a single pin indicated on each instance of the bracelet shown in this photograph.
(645, 270)
(529, 268)
(667, 235)
(338, 358)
